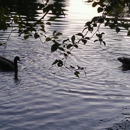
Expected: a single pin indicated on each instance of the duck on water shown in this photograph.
(8, 65)
(125, 62)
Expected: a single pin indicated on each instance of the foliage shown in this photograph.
(112, 13)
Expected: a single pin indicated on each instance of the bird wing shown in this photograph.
(6, 65)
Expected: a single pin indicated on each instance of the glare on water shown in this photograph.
(52, 98)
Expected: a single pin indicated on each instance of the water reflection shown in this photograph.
(32, 10)
(42, 100)
(27, 8)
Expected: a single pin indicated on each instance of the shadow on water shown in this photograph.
(123, 125)
(29, 8)
(32, 10)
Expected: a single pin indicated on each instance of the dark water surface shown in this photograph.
(48, 98)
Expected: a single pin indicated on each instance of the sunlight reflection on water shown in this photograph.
(53, 98)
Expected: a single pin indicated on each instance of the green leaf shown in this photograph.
(1, 44)
(104, 42)
(89, 1)
(95, 19)
(69, 46)
(62, 49)
(55, 42)
(88, 38)
(26, 37)
(101, 20)
(55, 37)
(72, 67)
(77, 73)
(54, 32)
(128, 33)
(54, 47)
(47, 8)
(90, 28)
(117, 29)
(66, 55)
(48, 23)
(73, 39)
(88, 23)
(102, 33)
(99, 35)
(42, 28)
(80, 34)
(15, 19)
(96, 40)
(99, 9)
(80, 68)
(94, 4)
(36, 35)
(52, 19)
(112, 25)
(65, 40)
(48, 39)
(76, 46)
(84, 41)
(60, 63)
(126, 26)
(55, 62)
(68, 52)
(58, 34)
(95, 25)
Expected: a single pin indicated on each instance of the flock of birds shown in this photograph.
(8, 65)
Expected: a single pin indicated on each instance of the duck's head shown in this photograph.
(16, 59)
(121, 59)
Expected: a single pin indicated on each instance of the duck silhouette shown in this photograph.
(8, 65)
(125, 62)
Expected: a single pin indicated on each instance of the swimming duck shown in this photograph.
(8, 65)
(125, 62)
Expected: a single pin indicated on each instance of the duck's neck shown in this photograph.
(15, 69)
(15, 64)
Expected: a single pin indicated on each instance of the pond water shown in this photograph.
(52, 98)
